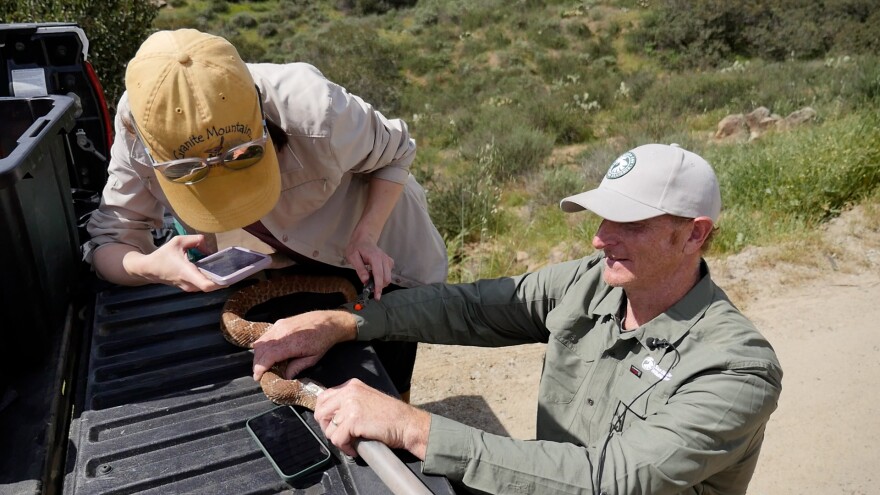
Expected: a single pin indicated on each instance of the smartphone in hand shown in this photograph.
(290, 444)
(232, 264)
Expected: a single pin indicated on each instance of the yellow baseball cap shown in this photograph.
(191, 95)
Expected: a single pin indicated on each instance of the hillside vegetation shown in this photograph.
(517, 103)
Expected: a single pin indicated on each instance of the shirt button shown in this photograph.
(590, 401)
(314, 254)
(284, 238)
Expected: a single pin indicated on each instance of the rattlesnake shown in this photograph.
(241, 332)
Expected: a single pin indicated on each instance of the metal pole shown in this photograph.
(390, 469)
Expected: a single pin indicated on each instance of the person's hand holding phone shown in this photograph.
(170, 265)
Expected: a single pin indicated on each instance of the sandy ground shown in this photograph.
(821, 312)
(819, 306)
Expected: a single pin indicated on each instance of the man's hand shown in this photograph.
(303, 339)
(354, 410)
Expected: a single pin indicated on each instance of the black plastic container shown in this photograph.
(50, 59)
(39, 244)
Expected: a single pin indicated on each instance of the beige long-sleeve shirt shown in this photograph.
(336, 144)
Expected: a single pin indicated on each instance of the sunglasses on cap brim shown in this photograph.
(192, 170)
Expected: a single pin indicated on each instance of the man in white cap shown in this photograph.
(653, 382)
(275, 149)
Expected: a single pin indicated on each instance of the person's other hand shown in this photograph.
(169, 265)
(364, 252)
(303, 339)
(354, 410)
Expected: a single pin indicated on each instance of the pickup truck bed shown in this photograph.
(166, 399)
(121, 390)
(160, 400)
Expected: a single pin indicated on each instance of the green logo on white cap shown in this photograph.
(622, 165)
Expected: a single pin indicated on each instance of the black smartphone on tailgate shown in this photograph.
(289, 443)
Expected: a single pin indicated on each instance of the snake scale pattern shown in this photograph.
(243, 333)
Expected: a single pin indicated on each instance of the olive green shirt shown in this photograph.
(686, 418)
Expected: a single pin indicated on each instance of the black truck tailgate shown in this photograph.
(167, 398)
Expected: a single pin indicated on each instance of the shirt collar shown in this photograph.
(671, 325)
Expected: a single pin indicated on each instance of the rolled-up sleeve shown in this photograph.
(128, 211)
(362, 136)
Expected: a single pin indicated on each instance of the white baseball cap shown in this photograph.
(649, 181)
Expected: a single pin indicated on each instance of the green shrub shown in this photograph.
(115, 29)
(217, 7)
(466, 14)
(465, 207)
(352, 54)
(267, 29)
(557, 183)
(517, 147)
(249, 50)
(548, 33)
(291, 11)
(364, 7)
(561, 117)
(832, 86)
(864, 81)
(243, 20)
(701, 33)
(796, 180)
(702, 92)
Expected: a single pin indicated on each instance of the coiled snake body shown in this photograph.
(243, 333)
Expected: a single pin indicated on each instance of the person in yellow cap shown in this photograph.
(274, 149)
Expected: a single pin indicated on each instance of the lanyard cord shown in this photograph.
(617, 419)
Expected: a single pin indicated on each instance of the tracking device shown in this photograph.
(232, 264)
(288, 442)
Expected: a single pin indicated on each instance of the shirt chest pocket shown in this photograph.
(302, 194)
(640, 397)
(564, 372)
